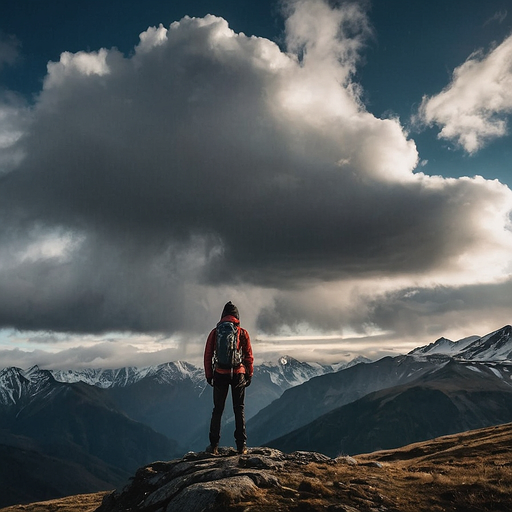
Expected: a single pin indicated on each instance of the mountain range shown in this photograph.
(439, 389)
(100, 425)
(94, 427)
(452, 398)
(171, 398)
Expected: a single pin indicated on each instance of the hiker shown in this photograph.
(228, 361)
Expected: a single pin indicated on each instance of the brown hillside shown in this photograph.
(466, 472)
(78, 503)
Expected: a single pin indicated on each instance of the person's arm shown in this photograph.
(248, 359)
(208, 356)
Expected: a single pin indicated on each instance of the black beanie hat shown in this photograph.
(230, 310)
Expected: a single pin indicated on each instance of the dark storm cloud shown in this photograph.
(424, 313)
(209, 157)
(431, 310)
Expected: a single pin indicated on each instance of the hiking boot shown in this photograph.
(213, 449)
(242, 449)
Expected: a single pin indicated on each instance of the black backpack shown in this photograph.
(226, 354)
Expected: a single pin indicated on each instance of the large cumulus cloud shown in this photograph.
(209, 165)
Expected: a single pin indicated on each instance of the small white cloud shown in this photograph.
(498, 16)
(474, 108)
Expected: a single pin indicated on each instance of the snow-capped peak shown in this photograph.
(444, 346)
(122, 377)
(288, 372)
(16, 383)
(496, 346)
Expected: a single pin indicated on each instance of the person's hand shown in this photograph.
(210, 381)
(248, 381)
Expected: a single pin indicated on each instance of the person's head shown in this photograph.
(230, 310)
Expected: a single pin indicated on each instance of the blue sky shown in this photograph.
(342, 143)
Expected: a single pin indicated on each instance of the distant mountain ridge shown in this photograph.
(66, 426)
(122, 377)
(16, 385)
(286, 372)
(299, 405)
(496, 346)
(172, 398)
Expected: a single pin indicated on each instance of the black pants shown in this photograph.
(221, 385)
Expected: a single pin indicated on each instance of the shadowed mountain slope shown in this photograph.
(302, 404)
(454, 398)
(61, 438)
(27, 475)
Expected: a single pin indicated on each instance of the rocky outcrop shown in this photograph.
(204, 482)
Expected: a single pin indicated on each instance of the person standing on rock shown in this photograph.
(228, 361)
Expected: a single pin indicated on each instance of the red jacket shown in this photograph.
(244, 342)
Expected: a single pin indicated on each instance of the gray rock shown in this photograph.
(347, 459)
(263, 479)
(373, 464)
(260, 462)
(206, 495)
(307, 457)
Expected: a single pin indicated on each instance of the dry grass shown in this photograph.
(78, 503)
(394, 487)
(469, 472)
